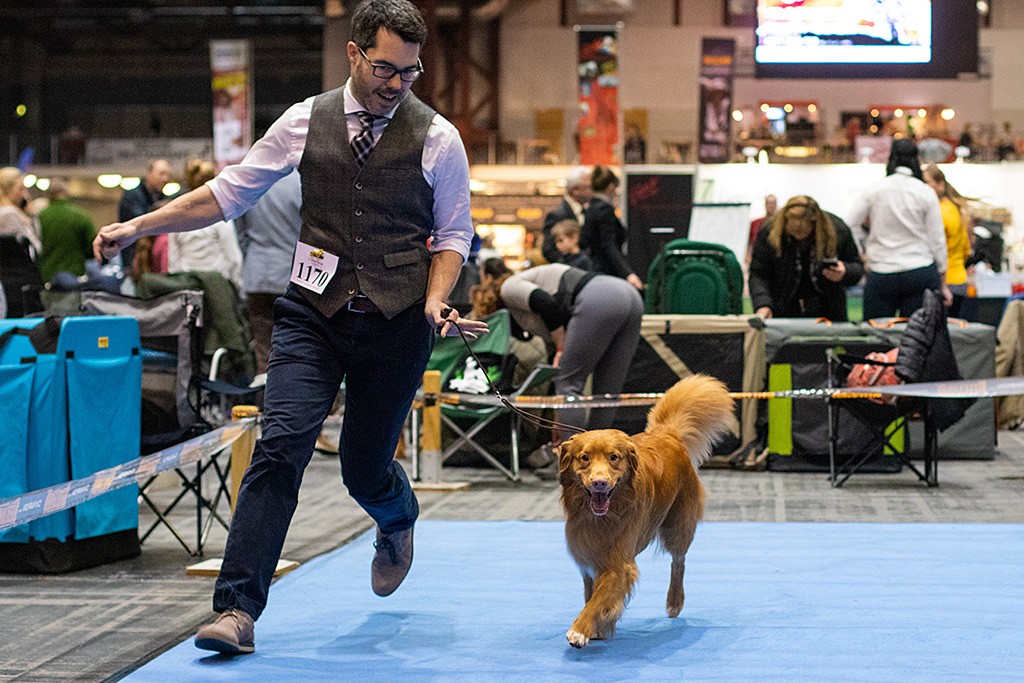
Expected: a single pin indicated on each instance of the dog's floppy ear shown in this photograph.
(564, 451)
(631, 458)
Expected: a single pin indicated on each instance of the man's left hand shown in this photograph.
(435, 311)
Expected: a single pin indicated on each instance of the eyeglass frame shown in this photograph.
(414, 71)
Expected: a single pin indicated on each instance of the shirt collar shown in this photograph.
(352, 104)
(903, 170)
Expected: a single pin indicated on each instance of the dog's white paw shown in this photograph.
(576, 639)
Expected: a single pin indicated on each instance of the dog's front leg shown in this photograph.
(611, 589)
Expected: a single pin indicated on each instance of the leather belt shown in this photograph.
(361, 304)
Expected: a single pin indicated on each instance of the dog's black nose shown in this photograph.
(600, 484)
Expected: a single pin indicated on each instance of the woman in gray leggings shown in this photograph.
(593, 320)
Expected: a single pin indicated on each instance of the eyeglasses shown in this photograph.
(387, 72)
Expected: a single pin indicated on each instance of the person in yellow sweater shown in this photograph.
(953, 206)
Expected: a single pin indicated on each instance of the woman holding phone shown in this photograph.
(802, 262)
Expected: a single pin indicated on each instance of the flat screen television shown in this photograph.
(866, 38)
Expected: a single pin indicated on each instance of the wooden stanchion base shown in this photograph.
(211, 567)
(439, 485)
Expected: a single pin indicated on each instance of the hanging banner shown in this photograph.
(715, 114)
(231, 63)
(598, 123)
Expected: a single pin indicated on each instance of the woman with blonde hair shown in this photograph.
(15, 219)
(213, 248)
(956, 222)
(803, 260)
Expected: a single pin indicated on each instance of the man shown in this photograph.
(267, 234)
(140, 200)
(66, 232)
(771, 205)
(577, 196)
(365, 299)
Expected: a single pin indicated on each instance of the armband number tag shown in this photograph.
(313, 268)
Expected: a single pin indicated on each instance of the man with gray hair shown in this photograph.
(577, 196)
(140, 199)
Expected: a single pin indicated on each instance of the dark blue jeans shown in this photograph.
(887, 293)
(382, 363)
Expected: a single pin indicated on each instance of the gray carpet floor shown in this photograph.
(101, 623)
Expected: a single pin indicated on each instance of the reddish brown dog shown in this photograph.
(621, 491)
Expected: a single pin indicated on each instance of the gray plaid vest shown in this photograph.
(375, 219)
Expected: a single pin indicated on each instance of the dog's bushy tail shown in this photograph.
(697, 410)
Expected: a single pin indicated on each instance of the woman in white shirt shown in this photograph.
(899, 223)
(213, 248)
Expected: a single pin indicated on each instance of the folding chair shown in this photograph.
(689, 277)
(175, 391)
(103, 371)
(70, 392)
(886, 425)
(492, 349)
(925, 355)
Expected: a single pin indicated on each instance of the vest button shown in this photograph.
(359, 266)
(359, 186)
(359, 212)
(359, 238)
(351, 291)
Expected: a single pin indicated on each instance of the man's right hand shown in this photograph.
(112, 238)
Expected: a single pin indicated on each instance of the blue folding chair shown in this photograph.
(103, 376)
(32, 420)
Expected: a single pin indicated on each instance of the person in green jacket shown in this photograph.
(67, 232)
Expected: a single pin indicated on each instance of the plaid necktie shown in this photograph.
(362, 143)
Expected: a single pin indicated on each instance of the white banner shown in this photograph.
(128, 153)
(231, 63)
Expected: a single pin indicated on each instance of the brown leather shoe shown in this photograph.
(391, 562)
(231, 634)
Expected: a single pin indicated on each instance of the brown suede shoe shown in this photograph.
(391, 562)
(231, 634)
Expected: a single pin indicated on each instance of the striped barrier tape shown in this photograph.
(967, 388)
(27, 507)
(624, 400)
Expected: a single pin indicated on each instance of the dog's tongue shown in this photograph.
(599, 503)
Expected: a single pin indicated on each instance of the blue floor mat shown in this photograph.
(491, 601)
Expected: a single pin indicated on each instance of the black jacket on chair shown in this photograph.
(20, 278)
(926, 355)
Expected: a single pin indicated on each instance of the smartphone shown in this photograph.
(829, 262)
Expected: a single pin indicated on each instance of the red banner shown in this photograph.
(598, 124)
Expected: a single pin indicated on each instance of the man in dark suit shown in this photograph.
(577, 196)
(140, 200)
